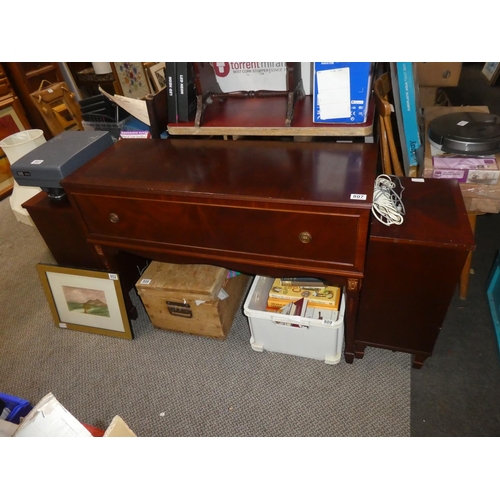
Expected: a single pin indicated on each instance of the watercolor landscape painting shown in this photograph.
(86, 301)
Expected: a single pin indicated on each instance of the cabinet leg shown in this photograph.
(359, 351)
(418, 360)
(352, 295)
(349, 357)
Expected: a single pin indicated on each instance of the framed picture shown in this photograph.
(12, 120)
(157, 72)
(490, 72)
(84, 300)
(132, 79)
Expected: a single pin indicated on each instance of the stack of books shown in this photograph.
(307, 298)
(181, 91)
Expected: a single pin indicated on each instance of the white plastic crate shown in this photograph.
(274, 332)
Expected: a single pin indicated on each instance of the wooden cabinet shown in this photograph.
(25, 78)
(58, 224)
(12, 120)
(412, 270)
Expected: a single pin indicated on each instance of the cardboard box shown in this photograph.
(194, 299)
(427, 96)
(118, 428)
(246, 76)
(49, 418)
(341, 92)
(438, 74)
(466, 169)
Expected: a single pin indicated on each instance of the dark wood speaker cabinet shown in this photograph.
(412, 270)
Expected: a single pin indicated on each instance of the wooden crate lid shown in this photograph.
(195, 281)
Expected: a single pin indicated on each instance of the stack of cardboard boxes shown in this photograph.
(432, 76)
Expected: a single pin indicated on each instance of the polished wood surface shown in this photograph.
(243, 205)
(59, 226)
(412, 270)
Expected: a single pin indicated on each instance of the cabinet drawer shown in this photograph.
(331, 239)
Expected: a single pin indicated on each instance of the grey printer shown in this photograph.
(49, 163)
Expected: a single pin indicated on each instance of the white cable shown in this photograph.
(388, 205)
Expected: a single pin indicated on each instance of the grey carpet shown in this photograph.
(456, 392)
(170, 384)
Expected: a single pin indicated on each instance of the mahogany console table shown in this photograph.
(258, 207)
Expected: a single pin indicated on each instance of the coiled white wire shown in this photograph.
(388, 205)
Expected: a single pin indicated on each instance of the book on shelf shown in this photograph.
(171, 79)
(186, 91)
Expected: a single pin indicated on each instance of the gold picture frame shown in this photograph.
(490, 72)
(132, 79)
(157, 72)
(86, 300)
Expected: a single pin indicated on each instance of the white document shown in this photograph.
(334, 93)
(136, 107)
(50, 419)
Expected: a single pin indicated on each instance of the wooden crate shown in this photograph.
(191, 298)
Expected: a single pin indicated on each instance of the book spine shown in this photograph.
(182, 91)
(171, 78)
(408, 110)
(186, 91)
(302, 282)
(332, 298)
(276, 303)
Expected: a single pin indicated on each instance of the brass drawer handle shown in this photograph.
(305, 237)
(114, 218)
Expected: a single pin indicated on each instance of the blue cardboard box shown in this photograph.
(341, 91)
